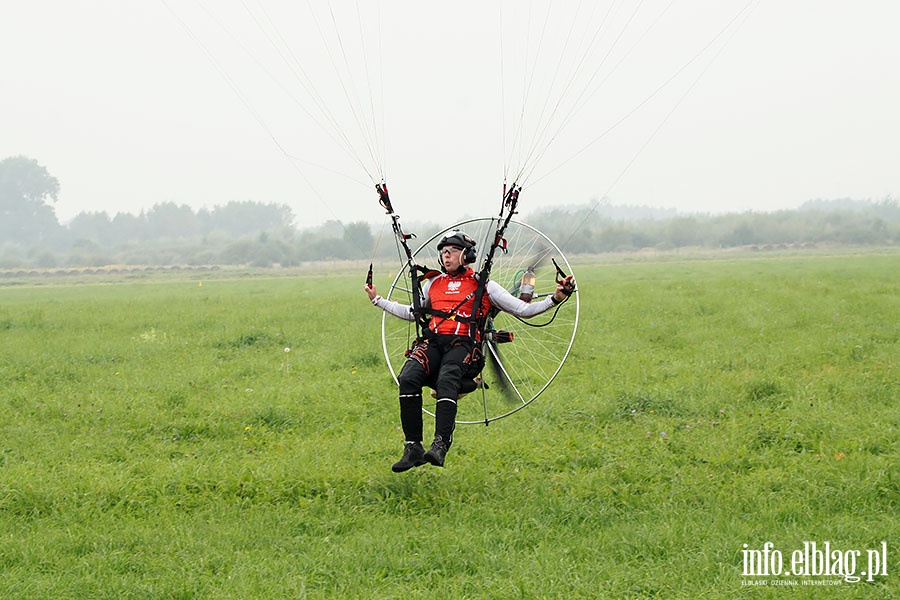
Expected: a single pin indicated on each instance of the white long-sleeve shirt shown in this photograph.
(497, 295)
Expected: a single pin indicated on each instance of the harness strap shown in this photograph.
(451, 314)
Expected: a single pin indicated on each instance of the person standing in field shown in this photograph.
(448, 356)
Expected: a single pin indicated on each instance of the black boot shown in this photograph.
(438, 452)
(413, 456)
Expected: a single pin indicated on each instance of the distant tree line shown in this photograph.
(263, 235)
(591, 230)
(235, 233)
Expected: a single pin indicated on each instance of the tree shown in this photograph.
(94, 226)
(683, 231)
(127, 227)
(171, 221)
(25, 188)
(359, 240)
(243, 218)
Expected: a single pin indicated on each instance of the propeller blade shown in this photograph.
(502, 378)
(538, 259)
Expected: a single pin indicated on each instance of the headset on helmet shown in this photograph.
(461, 240)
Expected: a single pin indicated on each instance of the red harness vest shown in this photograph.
(455, 295)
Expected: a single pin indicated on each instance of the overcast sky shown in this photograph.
(709, 106)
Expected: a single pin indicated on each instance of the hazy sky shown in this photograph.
(717, 105)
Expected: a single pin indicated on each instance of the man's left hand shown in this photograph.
(564, 289)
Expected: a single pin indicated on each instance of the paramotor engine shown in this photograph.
(522, 356)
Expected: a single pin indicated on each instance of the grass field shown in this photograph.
(156, 441)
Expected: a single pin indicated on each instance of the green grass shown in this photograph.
(156, 441)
